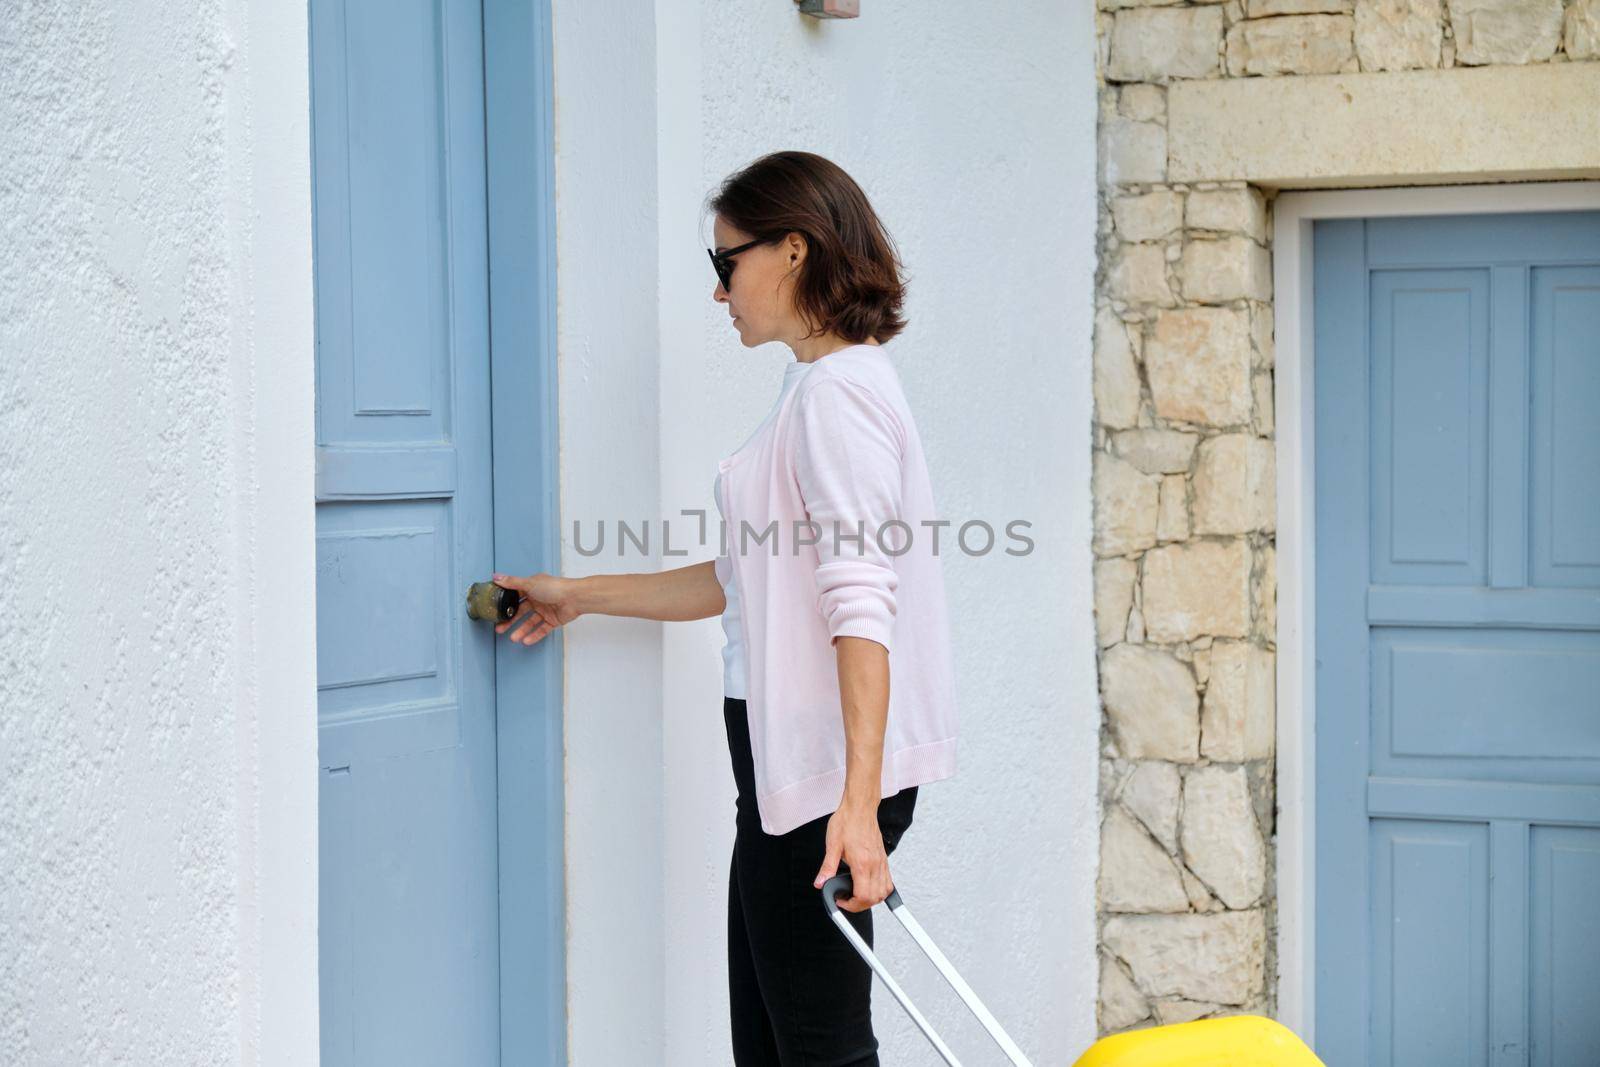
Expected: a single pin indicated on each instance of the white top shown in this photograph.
(735, 671)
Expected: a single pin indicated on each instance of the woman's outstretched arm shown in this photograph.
(549, 600)
(678, 595)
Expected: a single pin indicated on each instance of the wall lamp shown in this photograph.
(830, 9)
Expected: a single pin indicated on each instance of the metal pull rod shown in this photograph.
(840, 885)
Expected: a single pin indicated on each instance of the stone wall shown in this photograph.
(1184, 476)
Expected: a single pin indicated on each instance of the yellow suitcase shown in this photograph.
(1231, 1041)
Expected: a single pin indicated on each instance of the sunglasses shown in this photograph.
(722, 262)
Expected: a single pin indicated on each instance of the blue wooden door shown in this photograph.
(409, 930)
(1458, 639)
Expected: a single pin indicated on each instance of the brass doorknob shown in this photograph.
(486, 600)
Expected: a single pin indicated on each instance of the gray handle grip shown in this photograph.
(841, 885)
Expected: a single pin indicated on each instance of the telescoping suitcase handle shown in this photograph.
(840, 885)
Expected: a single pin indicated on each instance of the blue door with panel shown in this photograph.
(409, 916)
(1457, 386)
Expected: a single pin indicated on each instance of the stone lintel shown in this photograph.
(1412, 127)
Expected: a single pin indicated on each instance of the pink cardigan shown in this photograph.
(841, 451)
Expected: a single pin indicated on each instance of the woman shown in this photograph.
(829, 578)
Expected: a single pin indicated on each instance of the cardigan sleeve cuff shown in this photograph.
(857, 599)
(873, 629)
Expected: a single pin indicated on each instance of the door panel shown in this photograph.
(1458, 639)
(409, 892)
(1429, 364)
(1430, 892)
(1565, 958)
(1565, 467)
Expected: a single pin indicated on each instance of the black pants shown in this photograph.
(798, 992)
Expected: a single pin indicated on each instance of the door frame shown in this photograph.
(519, 130)
(1293, 404)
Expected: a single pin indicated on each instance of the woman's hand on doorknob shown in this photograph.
(548, 601)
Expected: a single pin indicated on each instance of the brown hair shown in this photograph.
(850, 282)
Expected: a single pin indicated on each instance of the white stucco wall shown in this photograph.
(973, 132)
(604, 53)
(157, 676)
